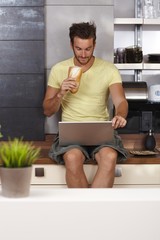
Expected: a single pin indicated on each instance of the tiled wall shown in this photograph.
(22, 56)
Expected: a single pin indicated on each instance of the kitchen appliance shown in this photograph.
(142, 114)
(135, 90)
(154, 93)
(154, 58)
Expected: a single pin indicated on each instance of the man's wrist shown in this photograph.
(120, 115)
(59, 95)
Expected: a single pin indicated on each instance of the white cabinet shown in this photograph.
(139, 175)
(127, 175)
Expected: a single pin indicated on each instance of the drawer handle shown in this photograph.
(39, 172)
(118, 172)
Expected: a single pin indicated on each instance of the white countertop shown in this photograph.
(88, 214)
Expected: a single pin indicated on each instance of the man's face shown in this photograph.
(83, 50)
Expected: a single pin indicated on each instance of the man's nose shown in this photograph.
(83, 54)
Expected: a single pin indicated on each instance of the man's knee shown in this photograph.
(73, 159)
(107, 157)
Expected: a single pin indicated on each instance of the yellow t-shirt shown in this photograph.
(90, 102)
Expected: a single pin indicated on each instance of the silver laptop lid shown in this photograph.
(85, 133)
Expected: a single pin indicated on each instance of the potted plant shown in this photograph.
(17, 157)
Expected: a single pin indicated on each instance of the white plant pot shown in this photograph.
(15, 181)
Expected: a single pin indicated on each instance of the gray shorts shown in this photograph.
(56, 152)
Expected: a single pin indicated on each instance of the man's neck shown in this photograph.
(87, 66)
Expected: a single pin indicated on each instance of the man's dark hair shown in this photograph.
(84, 30)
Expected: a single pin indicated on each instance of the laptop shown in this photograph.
(85, 133)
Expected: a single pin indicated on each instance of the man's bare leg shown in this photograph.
(75, 176)
(106, 159)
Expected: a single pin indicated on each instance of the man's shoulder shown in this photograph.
(104, 63)
(64, 63)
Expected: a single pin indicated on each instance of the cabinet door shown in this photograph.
(22, 122)
(131, 174)
(22, 90)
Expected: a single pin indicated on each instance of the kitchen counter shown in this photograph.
(136, 171)
(130, 141)
(82, 214)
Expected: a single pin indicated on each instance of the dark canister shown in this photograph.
(133, 54)
(150, 142)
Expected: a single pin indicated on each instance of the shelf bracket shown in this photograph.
(138, 8)
(138, 35)
(137, 75)
(138, 28)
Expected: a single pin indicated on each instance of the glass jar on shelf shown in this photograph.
(157, 8)
(149, 10)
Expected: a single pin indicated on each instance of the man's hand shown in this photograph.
(67, 85)
(118, 122)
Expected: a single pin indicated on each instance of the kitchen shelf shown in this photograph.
(128, 21)
(151, 66)
(155, 21)
(129, 66)
(138, 66)
(136, 21)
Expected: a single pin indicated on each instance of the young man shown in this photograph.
(99, 78)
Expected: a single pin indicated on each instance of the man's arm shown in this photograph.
(52, 101)
(120, 104)
(53, 97)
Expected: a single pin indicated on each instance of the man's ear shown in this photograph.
(71, 45)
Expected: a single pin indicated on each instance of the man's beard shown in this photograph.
(83, 63)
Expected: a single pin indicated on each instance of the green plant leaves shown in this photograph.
(16, 153)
